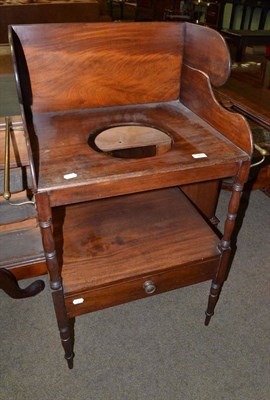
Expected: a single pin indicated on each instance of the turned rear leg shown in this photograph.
(65, 326)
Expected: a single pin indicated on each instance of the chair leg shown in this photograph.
(10, 285)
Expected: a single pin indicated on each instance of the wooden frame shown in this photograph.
(95, 210)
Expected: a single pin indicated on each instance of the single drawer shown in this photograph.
(140, 287)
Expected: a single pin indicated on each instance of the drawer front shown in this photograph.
(133, 289)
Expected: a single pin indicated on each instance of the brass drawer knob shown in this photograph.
(149, 287)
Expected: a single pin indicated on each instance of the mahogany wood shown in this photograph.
(140, 225)
(29, 270)
(104, 52)
(45, 222)
(251, 101)
(254, 103)
(191, 135)
(129, 225)
(197, 55)
(212, 111)
(129, 290)
(105, 229)
(225, 243)
(204, 196)
(10, 285)
(132, 140)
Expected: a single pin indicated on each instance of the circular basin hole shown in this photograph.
(131, 141)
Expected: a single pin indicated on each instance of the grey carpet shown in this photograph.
(157, 348)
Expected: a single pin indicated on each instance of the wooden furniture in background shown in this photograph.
(244, 38)
(122, 9)
(50, 12)
(150, 10)
(249, 100)
(255, 73)
(254, 104)
(171, 10)
(21, 250)
(238, 15)
(243, 23)
(117, 229)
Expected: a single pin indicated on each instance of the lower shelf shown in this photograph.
(111, 247)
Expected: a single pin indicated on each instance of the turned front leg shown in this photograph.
(45, 222)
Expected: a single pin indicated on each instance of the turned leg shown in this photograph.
(9, 284)
(45, 222)
(64, 325)
(224, 245)
(217, 283)
(212, 301)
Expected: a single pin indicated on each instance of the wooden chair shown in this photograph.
(126, 140)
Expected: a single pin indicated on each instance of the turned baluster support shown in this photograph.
(225, 243)
(45, 222)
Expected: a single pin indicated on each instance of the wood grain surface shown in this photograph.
(206, 50)
(131, 137)
(104, 229)
(104, 75)
(110, 240)
(232, 125)
(63, 149)
(91, 65)
(249, 99)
